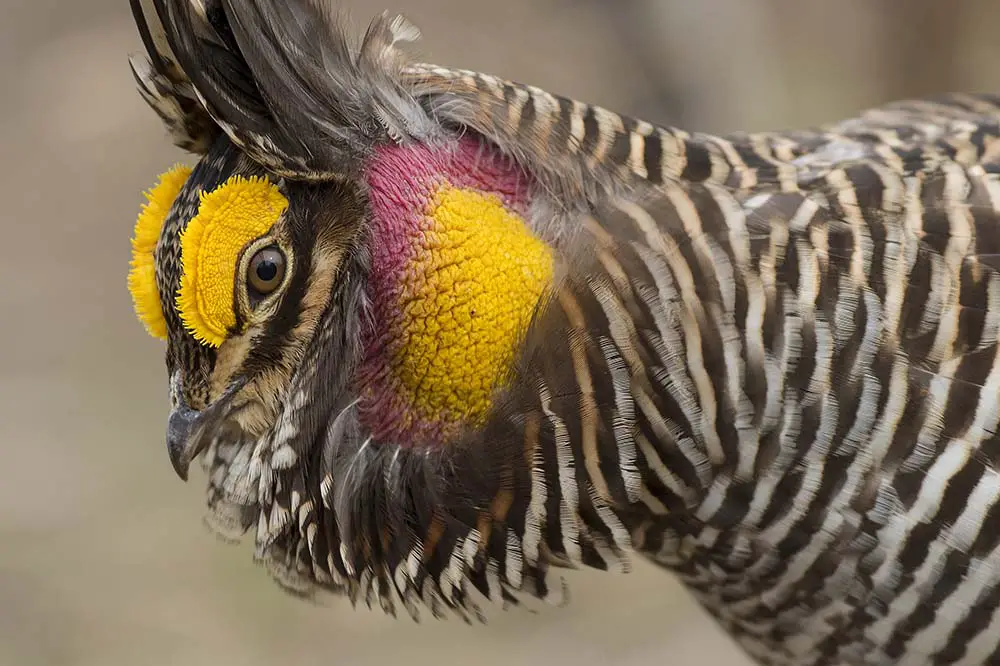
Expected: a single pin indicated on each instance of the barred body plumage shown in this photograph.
(768, 362)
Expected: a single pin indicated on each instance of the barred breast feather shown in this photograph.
(775, 364)
(790, 390)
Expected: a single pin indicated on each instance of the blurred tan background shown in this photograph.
(103, 558)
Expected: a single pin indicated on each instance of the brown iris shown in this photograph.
(266, 270)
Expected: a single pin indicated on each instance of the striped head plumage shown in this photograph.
(434, 333)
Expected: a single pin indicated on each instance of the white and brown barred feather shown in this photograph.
(771, 365)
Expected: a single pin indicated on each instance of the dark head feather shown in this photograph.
(167, 89)
(307, 113)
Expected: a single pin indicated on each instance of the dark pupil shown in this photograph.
(267, 270)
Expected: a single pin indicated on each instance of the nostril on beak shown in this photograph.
(180, 427)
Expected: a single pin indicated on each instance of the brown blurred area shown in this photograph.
(103, 558)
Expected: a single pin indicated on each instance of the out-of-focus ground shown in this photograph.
(103, 558)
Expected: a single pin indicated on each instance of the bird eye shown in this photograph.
(266, 270)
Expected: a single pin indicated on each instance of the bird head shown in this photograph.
(345, 281)
(250, 265)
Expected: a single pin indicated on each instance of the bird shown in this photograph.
(438, 337)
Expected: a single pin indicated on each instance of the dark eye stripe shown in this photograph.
(270, 346)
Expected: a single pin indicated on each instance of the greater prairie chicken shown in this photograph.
(435, 333)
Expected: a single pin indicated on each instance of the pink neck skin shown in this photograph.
(402, 181)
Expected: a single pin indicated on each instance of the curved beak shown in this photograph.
(190, 431)
(182, 444)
